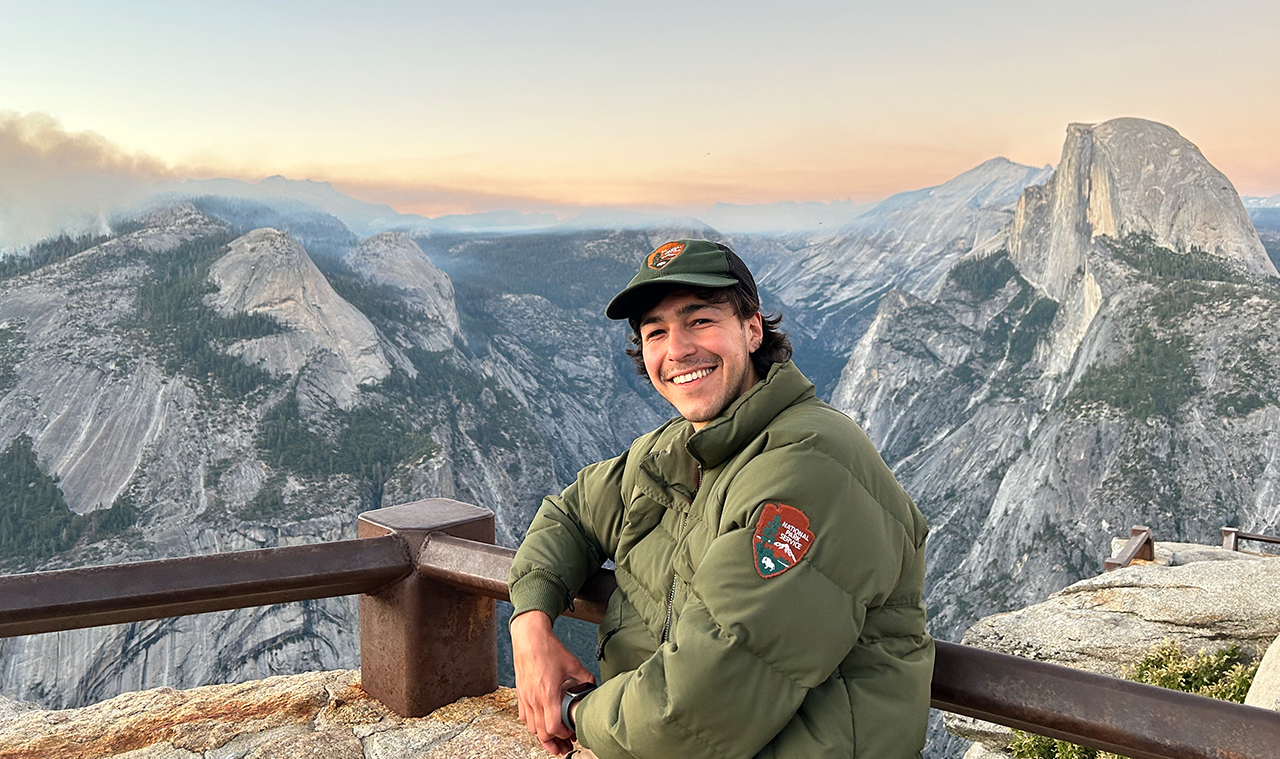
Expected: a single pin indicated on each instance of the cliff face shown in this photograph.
(268, 273)
(1110, 358)
(394, 260)
(831, 283)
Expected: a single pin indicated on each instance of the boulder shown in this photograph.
(1265, 691)
(1106, 623)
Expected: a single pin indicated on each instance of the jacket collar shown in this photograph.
(747, 417)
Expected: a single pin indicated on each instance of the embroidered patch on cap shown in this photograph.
(781, 540)
(665, 254)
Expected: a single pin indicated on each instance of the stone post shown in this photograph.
(424, 644)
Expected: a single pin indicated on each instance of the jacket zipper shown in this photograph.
(671, 594)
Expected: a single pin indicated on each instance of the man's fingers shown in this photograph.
(553, 724)
(558, 746)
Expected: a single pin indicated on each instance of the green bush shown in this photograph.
(1223, 674)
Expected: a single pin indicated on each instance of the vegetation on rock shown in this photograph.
(982, 277)
(35, 521)
(189, 335)
(1154, 378)
(47, 252)
(1139, 250)
(1223, 674)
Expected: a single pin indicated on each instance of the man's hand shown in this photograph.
(543, 665)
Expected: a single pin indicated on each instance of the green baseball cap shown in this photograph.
(699, 263)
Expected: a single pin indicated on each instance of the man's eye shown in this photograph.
(653, 334)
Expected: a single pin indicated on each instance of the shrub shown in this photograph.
(1224, 674)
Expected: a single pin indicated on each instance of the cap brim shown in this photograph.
(621, 306)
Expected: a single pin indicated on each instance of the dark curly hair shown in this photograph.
(775, 346)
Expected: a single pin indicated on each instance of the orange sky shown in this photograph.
(674, 105)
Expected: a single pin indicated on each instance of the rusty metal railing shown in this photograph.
(1231, 538)
(1141, 545)
(429, 574)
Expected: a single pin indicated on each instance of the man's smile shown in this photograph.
(686, 377)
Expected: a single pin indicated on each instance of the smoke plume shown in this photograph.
(52, 180)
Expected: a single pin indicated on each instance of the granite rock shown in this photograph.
(1107, 623)
(393, 259)
(269, 273)
(1265, 690)
(314, 714)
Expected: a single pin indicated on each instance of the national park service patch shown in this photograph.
(782, 538)
(665, 254)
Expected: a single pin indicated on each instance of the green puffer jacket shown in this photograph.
(713, 647)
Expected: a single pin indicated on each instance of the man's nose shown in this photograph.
(680, 344)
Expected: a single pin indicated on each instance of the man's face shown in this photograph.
(698, 354)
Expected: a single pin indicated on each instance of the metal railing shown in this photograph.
(1231, 538)
(1141, 545)
(429, 575)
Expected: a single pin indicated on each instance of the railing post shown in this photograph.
(425, 644)
(1229, 539)
(1141, 545)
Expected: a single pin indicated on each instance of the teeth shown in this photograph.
(691, 376)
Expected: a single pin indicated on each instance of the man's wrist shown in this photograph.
(569, 703)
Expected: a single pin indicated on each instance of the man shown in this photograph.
(770, 568)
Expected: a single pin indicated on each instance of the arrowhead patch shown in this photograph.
(665, 254)
(781, 540)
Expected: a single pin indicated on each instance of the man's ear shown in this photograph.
(755, 331)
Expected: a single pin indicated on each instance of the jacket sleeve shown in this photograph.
(748, 651)
(569, 539)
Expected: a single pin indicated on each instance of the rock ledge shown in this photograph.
(314, 714)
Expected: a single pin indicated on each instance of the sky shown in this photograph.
(462, 107)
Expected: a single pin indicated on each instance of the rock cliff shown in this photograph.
(1068, 381)
(393, 259)
(832, 283)
(266, 272)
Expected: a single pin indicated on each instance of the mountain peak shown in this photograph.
(393, 259)
(1122, 177)
(268, 272)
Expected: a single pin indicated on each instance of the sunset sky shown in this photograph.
(469, 106)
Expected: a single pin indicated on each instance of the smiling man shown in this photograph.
(770, 568)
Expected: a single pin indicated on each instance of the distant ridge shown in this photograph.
(361, 217)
